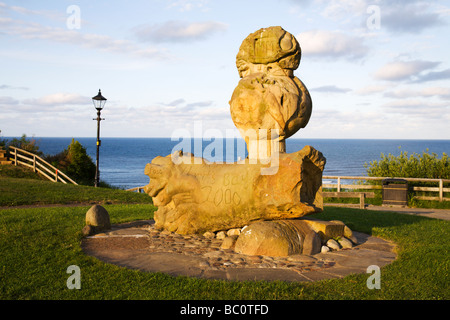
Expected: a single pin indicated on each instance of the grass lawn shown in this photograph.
(38, 244)
(20, 191)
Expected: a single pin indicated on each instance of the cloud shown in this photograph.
(332, 44)
(188, 5)
(33, 30)
(371, 89)
(396, 16)
(5, 86)
(409, 18)
(401, 70)
(58, 99)
(418, 108)
(178, 31)
(433, 76)
(331, 89)
(440, 92)
(8, 101)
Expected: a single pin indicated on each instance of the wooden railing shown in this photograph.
(28, 159)
(137, 189)
(439, 188)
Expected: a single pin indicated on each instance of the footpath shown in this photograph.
(443, 214)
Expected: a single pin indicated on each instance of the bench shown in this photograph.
(361, 195)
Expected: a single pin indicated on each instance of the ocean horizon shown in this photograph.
(122, 160)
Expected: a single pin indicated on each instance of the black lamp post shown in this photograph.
(99, 102)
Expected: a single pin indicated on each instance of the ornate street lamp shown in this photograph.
(99, 102)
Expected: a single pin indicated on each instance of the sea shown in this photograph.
(122, 160)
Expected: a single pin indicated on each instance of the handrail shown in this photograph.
(38, 161)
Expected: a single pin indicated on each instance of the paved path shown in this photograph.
(443, 214)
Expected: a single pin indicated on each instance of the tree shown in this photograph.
(75, 162)
(26, 143)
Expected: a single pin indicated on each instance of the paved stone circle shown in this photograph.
(139, 245)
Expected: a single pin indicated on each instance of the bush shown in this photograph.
(75, 162)
(415, 165)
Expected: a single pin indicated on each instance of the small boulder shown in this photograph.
(98, 217)
(233, 232)
(345, 243)
(209, 235)
(221, 235)
(333, 244)
(229, 242)
(324, 249)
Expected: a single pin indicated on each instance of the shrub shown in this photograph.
(75, 162)
(423, 165)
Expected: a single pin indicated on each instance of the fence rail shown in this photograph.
(28, 159)
(439, 189)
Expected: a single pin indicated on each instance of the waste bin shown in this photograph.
(395, 192)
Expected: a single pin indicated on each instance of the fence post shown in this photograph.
(339, 184)
(441, 190)
(15, 157)
(34, 163)
(56, 175)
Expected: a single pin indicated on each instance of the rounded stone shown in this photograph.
(345, 243)
(333, 244)
(98, 217)
(221, 235)
(229, 242)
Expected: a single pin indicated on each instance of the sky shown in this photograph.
(375, 69)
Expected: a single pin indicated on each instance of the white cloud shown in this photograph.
(401, 70)
(33, 30)
(410, 17)
(331, 89)
(178, 31)
(58, 99)
(188, 5)
(332, 44)
(371, 89)
(441, 92)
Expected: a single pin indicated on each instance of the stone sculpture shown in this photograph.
(269, 96)
(268, 105)
(194, 198)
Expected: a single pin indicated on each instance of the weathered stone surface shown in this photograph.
(221, 235)
(269, 96)
(233, 232)
(229, 242)
(333, 244)
(324, 249)
(88, 230)
(278, 238)
(98, 217)
(194, 196)
(326, 229)
(345, 243)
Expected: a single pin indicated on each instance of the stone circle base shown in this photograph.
(139, 245)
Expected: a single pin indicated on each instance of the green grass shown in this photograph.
(20, 191)
(38, 244)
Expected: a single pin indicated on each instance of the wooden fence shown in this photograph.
(28, 159)
(439, 189)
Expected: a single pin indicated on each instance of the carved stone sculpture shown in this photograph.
(269, 96)
(268, 105)
(194, 198)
